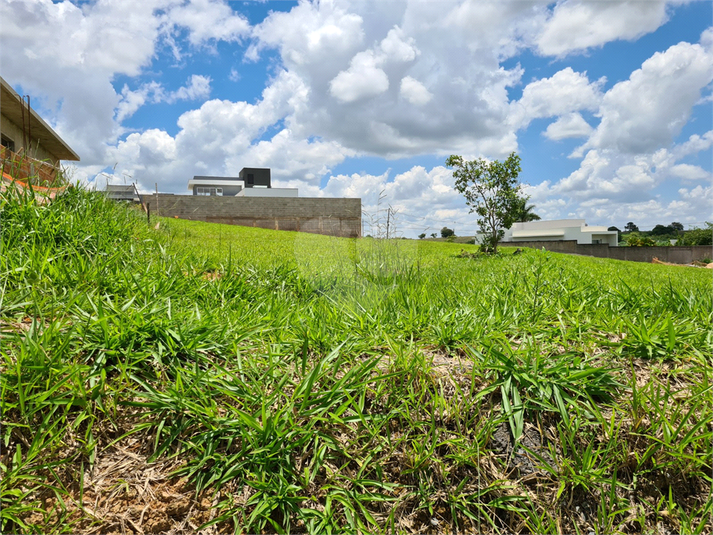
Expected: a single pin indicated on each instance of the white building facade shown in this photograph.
(559, 230)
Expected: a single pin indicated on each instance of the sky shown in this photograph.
(609, 104)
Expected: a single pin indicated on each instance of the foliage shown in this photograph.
(491, 189)
(698, 236)
(422, 236)
(446, 232)
(303, 383)
(524, 212)
(630, 227)
(637, 240)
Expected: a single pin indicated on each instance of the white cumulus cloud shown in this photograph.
(414, 91)
(571, 125)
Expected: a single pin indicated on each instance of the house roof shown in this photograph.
(11, 106)
(204, 181)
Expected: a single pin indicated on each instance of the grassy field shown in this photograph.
(227, 379)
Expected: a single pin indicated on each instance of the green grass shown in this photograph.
(276, 382)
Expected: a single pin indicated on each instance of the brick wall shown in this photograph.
(334, 217)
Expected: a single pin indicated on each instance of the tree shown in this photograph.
(433, 234)
(630, 227)
(492, 191)
(661, 230)
(678, 227)
(524, 212)
(421, 236)
(446, 232)
(698, 236)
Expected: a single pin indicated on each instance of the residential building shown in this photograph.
(251, 182)
(31, 150)
(122, 192)
(559, 230)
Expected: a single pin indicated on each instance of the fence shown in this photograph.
(333, 217)
(673, 254)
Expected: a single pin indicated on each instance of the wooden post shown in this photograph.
(148, 213)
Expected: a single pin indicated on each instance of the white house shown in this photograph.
(559, 230)
(252, 182)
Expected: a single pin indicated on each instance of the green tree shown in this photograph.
(446, 232)
(678, 227)
(421, 236)
(524, 212)
(630, 227)
(698, 236)
(433, 235)
(492, 191)
(661, 230)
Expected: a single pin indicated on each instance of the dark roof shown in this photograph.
(11, 107)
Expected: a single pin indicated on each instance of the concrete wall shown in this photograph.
(674, 255)
(334, 217)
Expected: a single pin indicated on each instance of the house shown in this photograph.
(251, 182)
(31, 151)
(560, 230)
(122, 192)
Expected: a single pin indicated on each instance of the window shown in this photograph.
(9, 143)
(207, 191)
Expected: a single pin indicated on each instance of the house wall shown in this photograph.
(229, 191)
(269, 192)
(14, 132)
(261, 176)
(334, 217)
(674, 255)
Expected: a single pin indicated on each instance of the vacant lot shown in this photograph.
(220, 378)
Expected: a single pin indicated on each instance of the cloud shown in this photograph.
(415, 92)
(690, 172)
(363, 79)
(397, 57)
(564, 92)
(649, 109)
(574, 26)
(571, 125)
(198, 87)
(207, 20)
(69, 55)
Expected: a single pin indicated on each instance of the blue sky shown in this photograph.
(608, 103)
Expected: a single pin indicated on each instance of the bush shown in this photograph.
(636, 240)
(698, 236)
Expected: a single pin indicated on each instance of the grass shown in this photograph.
(229, 379)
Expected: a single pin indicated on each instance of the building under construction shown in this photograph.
(31, 151)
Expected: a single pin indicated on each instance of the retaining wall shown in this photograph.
(333, 217)
(674, 255)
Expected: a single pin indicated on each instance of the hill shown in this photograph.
(218, 378)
